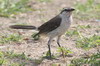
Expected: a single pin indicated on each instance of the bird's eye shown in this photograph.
(65, 10)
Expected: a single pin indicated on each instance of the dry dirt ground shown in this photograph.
(36, 49)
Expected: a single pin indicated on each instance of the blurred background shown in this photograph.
(81, 43)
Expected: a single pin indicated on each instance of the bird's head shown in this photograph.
(67, 11)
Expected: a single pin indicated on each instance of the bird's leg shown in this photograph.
(60, 46)
(49, 42)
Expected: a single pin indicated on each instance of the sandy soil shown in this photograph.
(36, 49)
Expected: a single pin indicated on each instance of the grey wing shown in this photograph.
(50, 25)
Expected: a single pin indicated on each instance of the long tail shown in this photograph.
(22, 27)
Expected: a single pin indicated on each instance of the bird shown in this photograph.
(55, 27)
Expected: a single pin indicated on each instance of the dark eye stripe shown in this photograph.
(67, 10)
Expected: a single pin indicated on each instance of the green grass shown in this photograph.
(47, 56)
(88, 10)
(14, 59)
(10, 38)
(93, 60)
(66, 51)
(83, 26)
(83, 41)
(72, 32)
(76, 32)
(13, 55)
(10, 8)
(88, 42)
(56, 64)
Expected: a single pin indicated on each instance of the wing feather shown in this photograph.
(50, 25)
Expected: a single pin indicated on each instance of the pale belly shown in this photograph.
(59, 31)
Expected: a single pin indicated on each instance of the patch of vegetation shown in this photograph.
(76, 31)
(11, 59)
(10, 8)
(66, 51)
(44, 0)
(10, 38)
(72, 32)
(13, 55)
(83, 26)
(93, 60)
(84, 42)
(38, 61)
(56, 64)
(47, 55)
(88, 10)
(88, 42)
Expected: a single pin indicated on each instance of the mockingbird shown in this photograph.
(56, 26)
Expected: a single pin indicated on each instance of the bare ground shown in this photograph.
(36, 49)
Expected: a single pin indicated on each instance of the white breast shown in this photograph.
(65, 24)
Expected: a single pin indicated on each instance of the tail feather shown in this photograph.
(22, 27)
